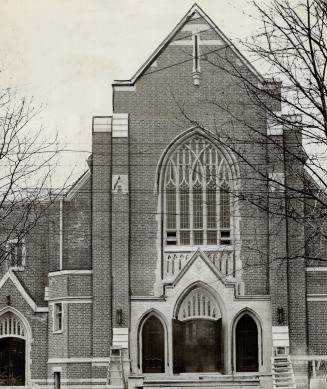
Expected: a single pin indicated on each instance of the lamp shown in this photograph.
(119, 316)
(280, 315)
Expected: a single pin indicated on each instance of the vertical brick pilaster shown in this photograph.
(277, 254)
(120, 230)
(101, 237)
(294, 175)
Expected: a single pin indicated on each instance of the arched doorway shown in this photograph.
(153, 346)
(246, 339)
(197, 334)
(12, 351)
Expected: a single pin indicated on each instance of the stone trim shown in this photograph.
(70, 272)
(120, 184)
(120, 336)
(120, 125)
(72, 300)
(101, 123)
(280, 336)
(276, 182)
(196, 27)
(316, 269)
(78, 360)
(10, 275)
(213, 42)
(77, 186)
(317, 297)
(124, 88)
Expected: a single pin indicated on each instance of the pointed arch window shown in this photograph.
(197, 206)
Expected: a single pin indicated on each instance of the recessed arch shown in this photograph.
(247, 341)
(15, 345)
(209, 291)
(156, 317)
(198, 340)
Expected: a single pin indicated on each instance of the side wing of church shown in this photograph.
(154, 271)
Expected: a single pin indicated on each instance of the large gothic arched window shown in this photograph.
(197, 193)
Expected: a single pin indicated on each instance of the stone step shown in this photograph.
(281, 363)
(276, 368)
(284, 381)
(113, 386)
(285, 386)
(197, 386)
(116, 382)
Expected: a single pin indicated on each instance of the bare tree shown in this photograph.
(27, 161)
(289, 101)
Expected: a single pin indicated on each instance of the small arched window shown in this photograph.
(197, 204)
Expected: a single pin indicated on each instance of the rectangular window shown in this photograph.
(56, 376)
(16, 254)
(171, 238)
(225, 237)
(212, 236)
(185, 237)
(185, 211)
(197, 209)
(224, 209)
(211, 208)
(185, 217)
(57, 317)
(198, 237)
(171, 208)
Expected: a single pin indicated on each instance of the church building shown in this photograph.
(157, 269)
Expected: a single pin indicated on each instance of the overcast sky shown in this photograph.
(66, 53)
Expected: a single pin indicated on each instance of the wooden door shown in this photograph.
(197, 346)
(178, 346)
(246, 345)
(12, 362)
(153, 346)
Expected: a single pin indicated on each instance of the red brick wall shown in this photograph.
(77, 230)
(101, 243)
(155, 120)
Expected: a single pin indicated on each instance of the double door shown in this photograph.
(12, 362)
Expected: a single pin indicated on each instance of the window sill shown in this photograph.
(58, 332)
(171, 248)
(17, 268)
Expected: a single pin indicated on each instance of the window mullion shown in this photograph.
(218, 210)
(177, 199)
(205, 211)
(165, 214)
(191, 208)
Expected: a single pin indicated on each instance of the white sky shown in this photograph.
(66, 53)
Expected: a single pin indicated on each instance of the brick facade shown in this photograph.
(100, 251)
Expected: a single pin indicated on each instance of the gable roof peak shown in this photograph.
(194, 9)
